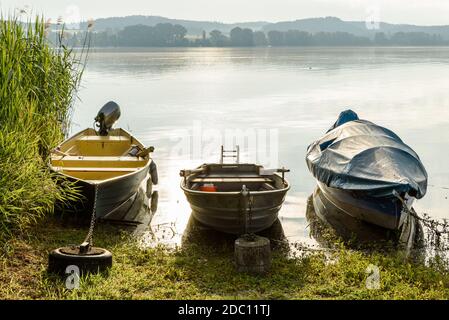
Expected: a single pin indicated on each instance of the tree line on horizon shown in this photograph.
(169, 35)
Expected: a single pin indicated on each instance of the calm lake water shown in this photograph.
(186, 101)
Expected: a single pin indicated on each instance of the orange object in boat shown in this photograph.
(208, 188)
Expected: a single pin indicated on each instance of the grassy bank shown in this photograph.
(204, 270)
(38, 84)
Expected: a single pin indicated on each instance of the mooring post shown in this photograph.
(252, 254)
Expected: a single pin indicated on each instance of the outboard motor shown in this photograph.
(106, 117)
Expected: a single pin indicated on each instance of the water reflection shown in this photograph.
(170, 235)
(160, 61)
(135, 64)
(200, 234)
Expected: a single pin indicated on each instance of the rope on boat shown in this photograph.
(431, 223)
(438, 235)
(438, 231)
(428, 222)
(438, 187)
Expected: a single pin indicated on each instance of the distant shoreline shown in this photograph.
(134, 48)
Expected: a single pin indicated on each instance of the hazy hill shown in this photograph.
(193, 27)
(312, 25)
(332, 24)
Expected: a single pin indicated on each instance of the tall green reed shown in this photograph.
(38, 86)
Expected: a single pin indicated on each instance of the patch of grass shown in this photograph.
(206, 271)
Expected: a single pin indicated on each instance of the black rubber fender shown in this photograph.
(149, 189)
(154, 201)
(96, 260)
(153, 172)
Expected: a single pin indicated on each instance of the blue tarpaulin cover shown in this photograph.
(360, 156)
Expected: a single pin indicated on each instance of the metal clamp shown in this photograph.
(283, 171)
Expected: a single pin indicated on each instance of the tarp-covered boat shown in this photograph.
(367, 171)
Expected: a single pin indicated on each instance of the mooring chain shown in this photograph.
(90, 233)
(250, 205)
(246, 206)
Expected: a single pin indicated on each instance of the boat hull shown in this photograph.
(223, 212)
(350, 228)
(110, 194)
(387, 212)
(238, 198)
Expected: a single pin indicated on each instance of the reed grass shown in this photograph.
(38, 86)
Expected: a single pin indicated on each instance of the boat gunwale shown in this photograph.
(233, 193)
(52, 168)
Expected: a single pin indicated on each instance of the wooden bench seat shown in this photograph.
(87, 169)
(104, 138)
(231, 180)
(99, 161)
(97, 158)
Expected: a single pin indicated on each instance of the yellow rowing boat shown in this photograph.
(109, 166)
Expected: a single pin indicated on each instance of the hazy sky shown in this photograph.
(423, 12)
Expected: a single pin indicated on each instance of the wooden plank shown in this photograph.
(85, 169)
(100, 158)
(230, 175)
(104, 138)
(229, 180)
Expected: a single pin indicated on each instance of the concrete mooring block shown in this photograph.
(252, 254)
